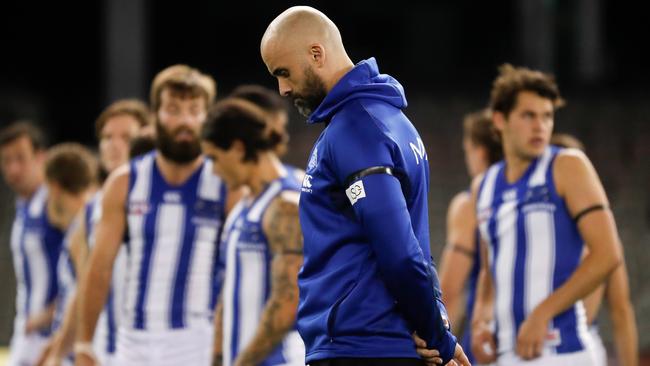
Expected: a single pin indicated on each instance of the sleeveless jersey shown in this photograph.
(35, 247)
(533, 247)
(171, 243)
(247, 284)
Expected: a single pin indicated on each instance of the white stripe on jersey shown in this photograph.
(538, 177)
(229, 290)
(209, 184)
(37, 204)
(38, 270)
(504, 273)
(140, 193)
(487, 193)
(21, 290)
(484, 202)
(251, 294)
(584, 335)
(255, 213)
(142, 186)
(197, 298)
(164, 264)
(540, 258)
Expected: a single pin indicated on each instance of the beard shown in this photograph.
(179, 152)
(312, 94)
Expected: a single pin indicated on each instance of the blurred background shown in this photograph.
(61, 64)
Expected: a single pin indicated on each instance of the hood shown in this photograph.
(363, 81)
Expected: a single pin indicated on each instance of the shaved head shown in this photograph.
(300, 26)
(303, 49)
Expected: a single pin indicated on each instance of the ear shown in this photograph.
(239, 149)
(499, 120)
(317, 54)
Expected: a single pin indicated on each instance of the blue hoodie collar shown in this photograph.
(363, 81)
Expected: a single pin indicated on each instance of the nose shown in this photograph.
(284, 88)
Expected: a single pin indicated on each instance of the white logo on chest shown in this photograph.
(509, 195)
(172, 197)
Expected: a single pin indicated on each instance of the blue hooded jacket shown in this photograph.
(368, 280)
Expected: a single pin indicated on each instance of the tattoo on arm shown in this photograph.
(283, 228)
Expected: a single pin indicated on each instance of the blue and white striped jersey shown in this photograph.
(104, 340)
(247, 284)
(66, 277)
(533, 247)
(35, 246)
(172, 247)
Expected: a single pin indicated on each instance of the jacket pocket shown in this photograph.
(331, 317)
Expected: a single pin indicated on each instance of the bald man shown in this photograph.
(368, 281)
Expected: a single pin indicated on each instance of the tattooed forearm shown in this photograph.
(278, 318)
(279, 313)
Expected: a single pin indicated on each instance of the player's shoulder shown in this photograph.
(572, 168)
(461, 201)
(568, 158)
(476, 184)
(116, 186)
(460, 207)
(571, 164)
(284, 206)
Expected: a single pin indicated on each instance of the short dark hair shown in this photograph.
(513, 80)
(263, 97)
(130, 107)
(237, 119)
(20, 129)
(478, 127)
(72, 166)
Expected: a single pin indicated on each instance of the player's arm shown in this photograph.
(217, 349)
(282, 229)
(578, 184)
(64, 338)
(621, 313)
(458, 256)
(94, 285)
(483, 343)
(594, 300)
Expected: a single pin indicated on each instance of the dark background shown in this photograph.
(61, 64)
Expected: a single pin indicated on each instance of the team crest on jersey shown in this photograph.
(313, 160)
(138, 207)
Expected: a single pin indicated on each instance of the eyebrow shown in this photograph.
(280, 71)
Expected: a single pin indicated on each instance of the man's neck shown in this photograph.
(339, 73)
(516, 167)
(174, 173)
(267, 169)
(28, 193)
